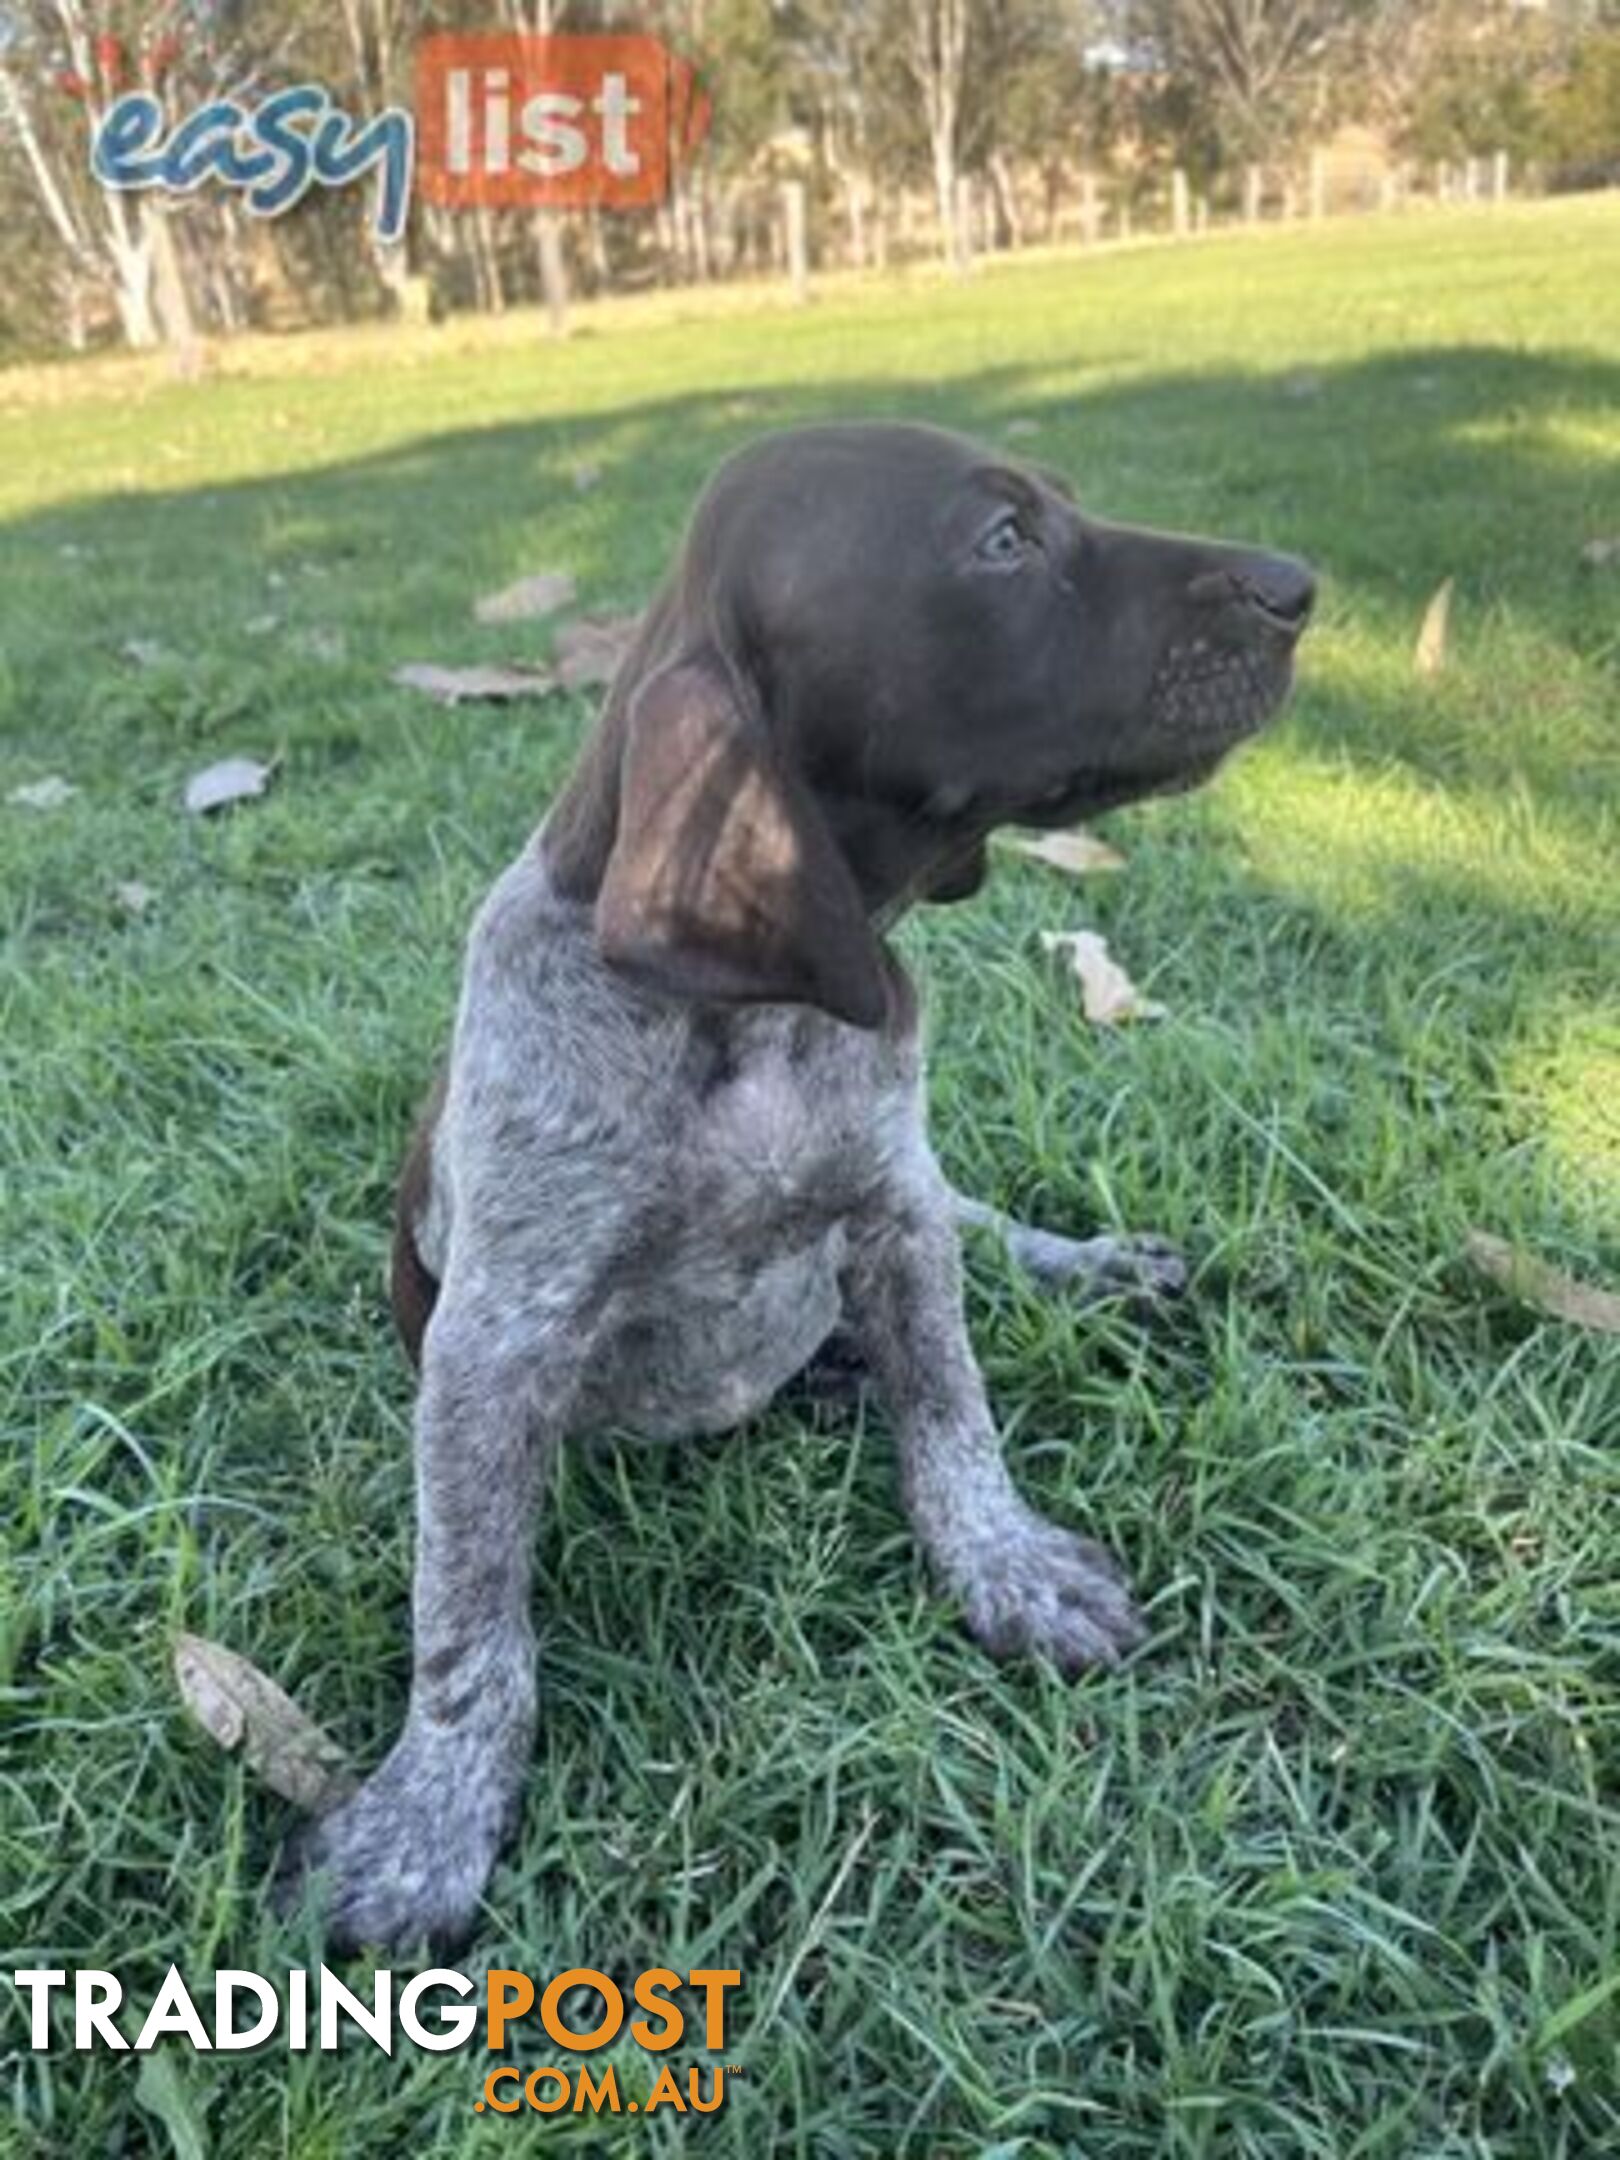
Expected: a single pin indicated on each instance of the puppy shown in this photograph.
(681, 1140)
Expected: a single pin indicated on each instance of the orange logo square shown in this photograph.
(567, 122)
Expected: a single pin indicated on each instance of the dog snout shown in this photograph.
(1278, 591)
(1281, 587)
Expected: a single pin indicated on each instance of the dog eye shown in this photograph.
(1005, 544)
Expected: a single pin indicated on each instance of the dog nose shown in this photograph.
(1280, 586)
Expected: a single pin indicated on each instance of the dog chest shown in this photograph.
(790, 1118)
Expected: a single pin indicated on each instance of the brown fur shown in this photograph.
(412, 1290)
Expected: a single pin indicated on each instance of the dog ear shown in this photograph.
(724, 880)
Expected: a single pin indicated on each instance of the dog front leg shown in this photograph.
(1025, 1583)
(407, 1857)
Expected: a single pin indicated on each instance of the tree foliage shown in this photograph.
(882, 106)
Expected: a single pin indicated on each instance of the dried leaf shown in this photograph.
(241, 1708)
(1598, 554)
(1538, 1283)
(47, 794)
(232, 780)
(481, 682)
(589, 651)
(133, 897)
(542, 594)
(261, 625)
(1430, 655)
(1079, 852)
(321, 644)
(144, 652)
(1109, 995)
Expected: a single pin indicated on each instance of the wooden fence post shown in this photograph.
(967, 240)
(1178, 204)
(796, 239)
(1090, 208)
(1499, 177)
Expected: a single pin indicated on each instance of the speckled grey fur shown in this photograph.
(651, 1219)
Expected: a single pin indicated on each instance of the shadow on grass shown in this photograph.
(1391, 473)
(1390, 468)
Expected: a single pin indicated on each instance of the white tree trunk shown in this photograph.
(936, 55)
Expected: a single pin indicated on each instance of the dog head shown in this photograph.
(881, 642)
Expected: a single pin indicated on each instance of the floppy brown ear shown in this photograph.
(724, 880)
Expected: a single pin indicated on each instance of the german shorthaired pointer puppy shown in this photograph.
(681, 1138)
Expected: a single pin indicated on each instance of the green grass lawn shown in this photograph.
(1334, 1867)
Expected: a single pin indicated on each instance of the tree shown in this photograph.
(57, 76)
(935, 50)
(1581, 123)
(1260, 70)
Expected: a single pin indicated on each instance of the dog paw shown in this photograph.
(1144, 1270)
(402, 1862)
(1034, 1588)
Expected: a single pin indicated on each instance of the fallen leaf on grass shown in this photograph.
(144, 652)
(485, 682)
(233, 779)
(321, 644)
(542, 594)
(1430, 654)
(47, 794)
(261, 625)
(589, 651)
(133, 897)
(1080, 853)
(1541, 1284)
(1109, 995)
(241, 1708)
(1598, 554)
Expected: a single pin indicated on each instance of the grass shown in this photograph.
(1328, 1871)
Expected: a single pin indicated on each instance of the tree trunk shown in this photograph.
(951, 243)
(132, 289)
(795, 239)
(596, 248)
(393, 272)
(489, 262)
(1012, 218)
(936, 55)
